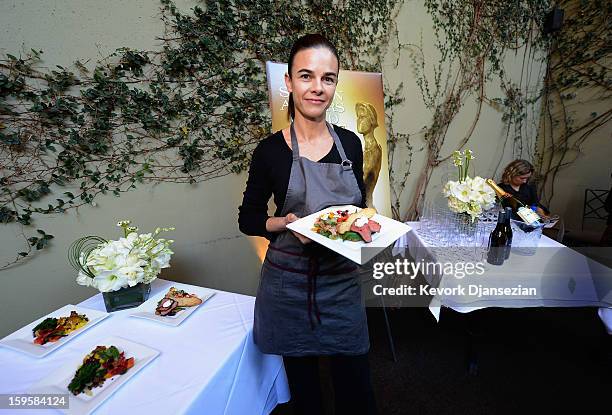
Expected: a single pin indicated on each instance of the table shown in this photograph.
(208, 365)
(561, 276)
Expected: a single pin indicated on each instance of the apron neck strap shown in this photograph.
(346, 163)
(294, 144)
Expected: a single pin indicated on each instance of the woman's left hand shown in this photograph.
(541, 212)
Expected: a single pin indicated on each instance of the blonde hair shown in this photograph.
(516, 168)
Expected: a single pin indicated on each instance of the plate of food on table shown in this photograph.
(52, 331)
(174, 306)
(348, 229)
(93, 376)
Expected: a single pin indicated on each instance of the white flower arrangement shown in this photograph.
(126, 262)
(468, 195)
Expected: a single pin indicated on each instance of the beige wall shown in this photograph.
(210, 250)
(488, 138)
(591, 169)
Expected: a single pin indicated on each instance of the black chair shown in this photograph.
(594, 205)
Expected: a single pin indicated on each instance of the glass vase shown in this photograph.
(465, 226)
(127, 297)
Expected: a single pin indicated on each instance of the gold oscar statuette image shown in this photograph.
(372, 153)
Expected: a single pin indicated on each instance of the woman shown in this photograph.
(515, 180)
(309, 298)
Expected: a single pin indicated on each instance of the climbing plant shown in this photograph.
(577, 88)
(188, 111)
(474, 40)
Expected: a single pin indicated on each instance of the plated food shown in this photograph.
(101, 364)
(52, 329)
(90, 379)
(347, 222)
(174, 306)
(175, 301)
(347, 225)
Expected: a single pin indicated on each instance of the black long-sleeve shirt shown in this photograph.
(269, 175)
(526, 193)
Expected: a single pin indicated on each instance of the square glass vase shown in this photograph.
(128, 297)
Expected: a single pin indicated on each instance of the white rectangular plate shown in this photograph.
(23, 341)
(147, 310)
(390, 231)
(57, 382)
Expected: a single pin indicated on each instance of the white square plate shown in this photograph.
(23, 341)
(147, 310)
(57, 382)
(390, 231)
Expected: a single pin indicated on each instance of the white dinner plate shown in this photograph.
(390, 231)
(57, 382)
(23, 341)
(147, 310)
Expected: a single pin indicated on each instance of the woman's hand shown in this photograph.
(542, 214)
(279, 224)
(292, 218)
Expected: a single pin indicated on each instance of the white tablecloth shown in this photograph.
(208, 365)
(564, 277)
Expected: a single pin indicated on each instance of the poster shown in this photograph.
(358, 106)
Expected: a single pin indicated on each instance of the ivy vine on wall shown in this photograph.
(189, 111)
(473, 38)
(577, 89)
(549, 125)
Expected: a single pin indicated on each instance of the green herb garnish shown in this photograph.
(47, 324)
(351, 236)
(111, 353)
(84, 376)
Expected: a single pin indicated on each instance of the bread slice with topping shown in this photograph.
(184, 299)
(363, 213)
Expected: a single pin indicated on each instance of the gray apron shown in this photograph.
(309, 297)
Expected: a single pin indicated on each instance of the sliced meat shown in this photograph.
(364, 231)
(374, 226)
(170, 303)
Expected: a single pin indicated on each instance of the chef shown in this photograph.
(309, 302)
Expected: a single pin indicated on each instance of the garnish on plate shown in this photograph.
(342, 224)
(101, 364)
(175, 301)
(52, 329)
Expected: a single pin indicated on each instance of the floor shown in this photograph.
(523, 361)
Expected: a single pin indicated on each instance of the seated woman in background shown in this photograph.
(515, 180)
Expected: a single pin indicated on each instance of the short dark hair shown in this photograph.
(309, 41)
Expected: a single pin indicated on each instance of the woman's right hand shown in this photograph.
(292, 218)
(279, 224)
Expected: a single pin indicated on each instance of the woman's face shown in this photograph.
(313, 82)
(519, 180)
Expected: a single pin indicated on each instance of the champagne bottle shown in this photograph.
(506, 197)
(508, 231)
(498, 241)
(524, 212)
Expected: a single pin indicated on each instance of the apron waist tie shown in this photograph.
(313, 270)
(311, 274)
